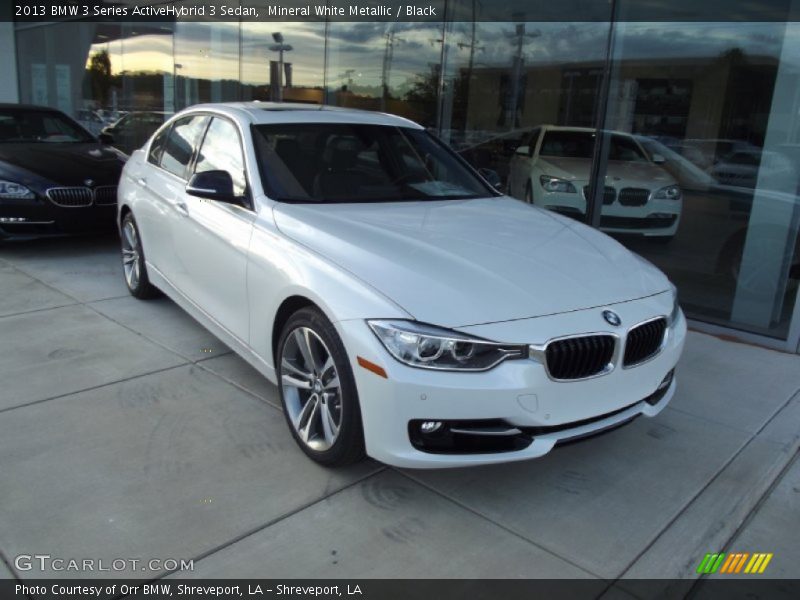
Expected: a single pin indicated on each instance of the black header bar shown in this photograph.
(39, 11)
(731, 588)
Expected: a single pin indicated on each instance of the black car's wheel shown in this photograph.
(528, 193)
(318, 391)
(133, 261)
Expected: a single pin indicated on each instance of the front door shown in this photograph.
(212, 238)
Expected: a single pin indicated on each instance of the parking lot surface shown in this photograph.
(127, 430)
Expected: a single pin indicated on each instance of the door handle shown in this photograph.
(182, 208)
(142, 181)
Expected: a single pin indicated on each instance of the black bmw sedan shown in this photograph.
(55, 177)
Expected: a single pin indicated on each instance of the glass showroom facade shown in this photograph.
(681, 139)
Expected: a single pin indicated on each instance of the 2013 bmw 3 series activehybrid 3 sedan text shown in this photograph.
(405, 309)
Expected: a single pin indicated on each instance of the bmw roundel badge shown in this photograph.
(612, 318)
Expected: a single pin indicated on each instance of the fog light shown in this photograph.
(666, 381)
(430, 426)
(12, 219)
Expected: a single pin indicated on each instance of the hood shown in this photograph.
(458, 263)
(627, 173)
(65, 164)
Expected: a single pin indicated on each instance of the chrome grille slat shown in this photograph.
(75, 197)
(579, 357)
(105, 195)
(633, 196)
(609, 194)
(644, 341)
(70, 197)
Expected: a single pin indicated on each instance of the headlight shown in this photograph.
(14, 191)
(555, 184)
(429, 347)
(671, 192)
(676, 308)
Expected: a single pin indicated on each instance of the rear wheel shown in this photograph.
(318, 391)
(133, 263)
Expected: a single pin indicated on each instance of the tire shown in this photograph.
(133, 262)
(324, 418)
(528, 193)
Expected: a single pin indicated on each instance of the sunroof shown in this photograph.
(291, 108)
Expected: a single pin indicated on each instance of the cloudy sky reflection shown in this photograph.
(357, 50)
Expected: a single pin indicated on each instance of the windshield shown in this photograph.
(580, 144)
(26, 126)
(326, 162)
(567, 144)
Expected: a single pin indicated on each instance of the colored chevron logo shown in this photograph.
(734, 563)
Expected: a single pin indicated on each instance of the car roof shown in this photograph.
(260, 113)
(566, 128)
(583, 130)
(12, 106)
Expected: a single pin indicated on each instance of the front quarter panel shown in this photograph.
(280, 268)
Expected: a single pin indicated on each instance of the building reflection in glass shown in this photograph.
(709, 107)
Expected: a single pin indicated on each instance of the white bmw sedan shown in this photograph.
(404, 308)
(553, 170)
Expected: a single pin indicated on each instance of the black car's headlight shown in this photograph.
(11, 190)
(429, 347)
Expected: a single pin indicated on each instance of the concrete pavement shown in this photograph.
(126, 430)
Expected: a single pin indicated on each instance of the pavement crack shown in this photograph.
(495, 523)
(90, 388)
(709, 483)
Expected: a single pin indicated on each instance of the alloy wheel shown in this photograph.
(311, 389)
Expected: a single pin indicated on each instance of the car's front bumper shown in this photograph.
(517, 393)
(39, 217)
(655, 218)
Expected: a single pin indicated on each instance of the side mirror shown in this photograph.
(523, 150)
(212, 185)
(106, 138)
(491, 177)
(659, 159)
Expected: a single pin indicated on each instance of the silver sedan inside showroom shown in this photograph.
(405, 308)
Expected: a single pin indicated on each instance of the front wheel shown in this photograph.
(318, 390)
